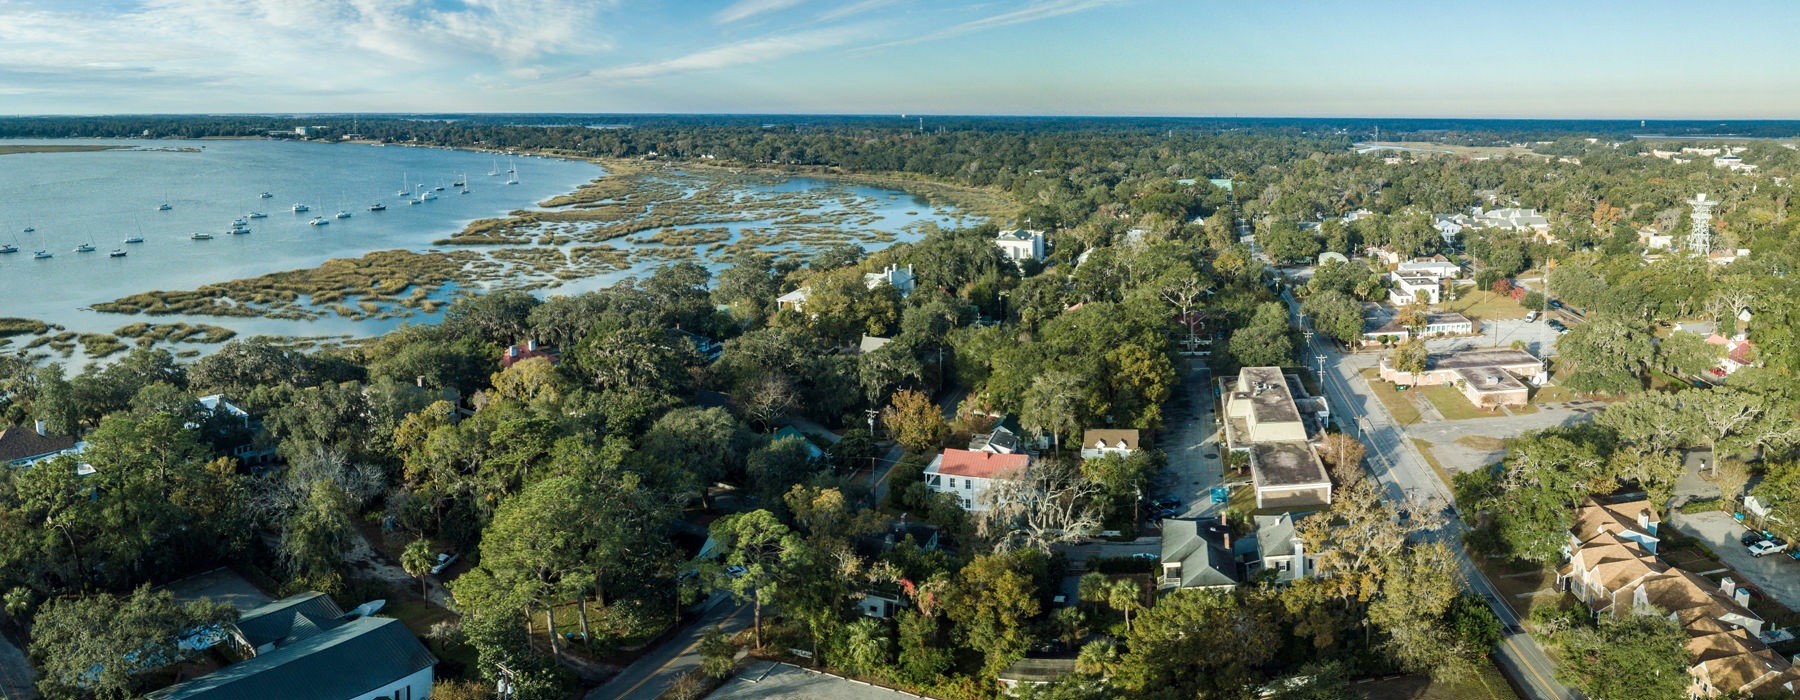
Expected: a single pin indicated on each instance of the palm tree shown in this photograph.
(417, 561)
(1124, 595)
(866, 646)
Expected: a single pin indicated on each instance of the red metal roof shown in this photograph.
(986, 465)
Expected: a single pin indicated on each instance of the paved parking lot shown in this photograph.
(1778, 575)
(1539, 339)
(1191, 443)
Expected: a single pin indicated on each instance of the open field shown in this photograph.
(1485, 305)
(1429, 148)
(1450, 402)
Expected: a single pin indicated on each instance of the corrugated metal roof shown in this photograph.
(338, 664)
(294, 616)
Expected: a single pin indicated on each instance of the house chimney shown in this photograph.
(531, 345)
(40, 427)
(1644, 520)
(1728, 586)
(420, 380)
(1742, 596)
(512, 351)
(1299, 558)
(1227, 539)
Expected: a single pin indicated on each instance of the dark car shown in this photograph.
(1554, 324)
(1555, 304)
(1165, 502)
(1752, 537)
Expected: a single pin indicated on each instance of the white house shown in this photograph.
(1435, 266)
(900, 278)
(1096, 442)
(1280, 548)
(967, 474)
(1407, 287)
(1020, 245)
(794, 300)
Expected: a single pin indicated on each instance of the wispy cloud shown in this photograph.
(852, 9)
(1034, 11)
(759, 50)
(745, 9)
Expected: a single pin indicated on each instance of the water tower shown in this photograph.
(1699, 238)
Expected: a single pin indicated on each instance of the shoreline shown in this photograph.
(397, 284)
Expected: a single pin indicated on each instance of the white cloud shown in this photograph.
(1034, 11)
(745, 9)
(750, 51)
(246, 48)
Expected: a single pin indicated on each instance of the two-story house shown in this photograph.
(967, 474)
(1098, 442)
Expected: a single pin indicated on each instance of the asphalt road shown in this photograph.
(1405, 476)
(654, 672)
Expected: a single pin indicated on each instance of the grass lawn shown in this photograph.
(1452, 404)
(1483, 442)
(1400, 407)
(1483, 304)
(1485, 684)
(1524, 410)
(1554, 393)
(1424, 447)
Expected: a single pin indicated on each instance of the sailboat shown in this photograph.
(319, 221)
(496, 168)
(405, 187)
(85, 248)
(298, 208)
(116, 253)
(257, 215)
(201, 236)
(265, 195)
(42, 255)
(8, 248)
(378, 206)
(512, 169)
(164, 207)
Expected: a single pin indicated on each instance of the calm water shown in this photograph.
(103, 197)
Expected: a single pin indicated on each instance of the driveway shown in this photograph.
(1774, 574)
(1078, 554)
(1191, 443)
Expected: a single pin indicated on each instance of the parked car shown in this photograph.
(1751, 537)
(1531, 317)
(1165, 502)
(444, 560)
(1769, 546)
(1555, 304)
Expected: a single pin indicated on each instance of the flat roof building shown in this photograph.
(1288, 474)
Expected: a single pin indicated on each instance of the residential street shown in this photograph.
(1405, 476)
(654, 672)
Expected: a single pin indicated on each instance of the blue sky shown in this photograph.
(1644, 59)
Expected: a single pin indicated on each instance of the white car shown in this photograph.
(1766, 547)
(444, 560)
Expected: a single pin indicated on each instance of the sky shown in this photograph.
(1645, 59)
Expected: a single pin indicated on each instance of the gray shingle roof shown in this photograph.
(338, 664)
(1198, 545)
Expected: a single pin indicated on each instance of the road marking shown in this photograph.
(1525, 661)
(677, 657)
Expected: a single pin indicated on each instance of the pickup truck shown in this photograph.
(1770, 546)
